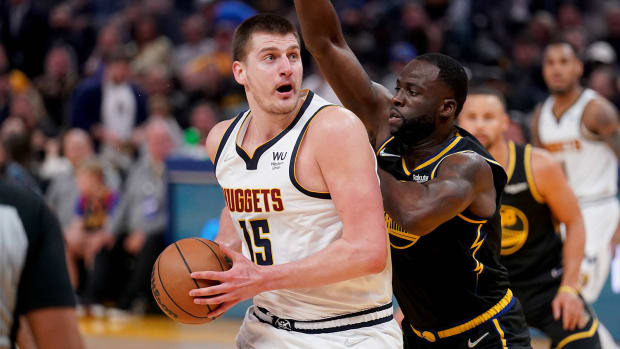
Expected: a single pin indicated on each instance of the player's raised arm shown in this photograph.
(463, 181)
(553, 187)
(323, 37)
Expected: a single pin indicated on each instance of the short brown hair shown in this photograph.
(263, 23)
(92, 167)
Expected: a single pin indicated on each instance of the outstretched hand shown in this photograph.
(243, 281)
(569, 307)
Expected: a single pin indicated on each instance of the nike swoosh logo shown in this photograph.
(383, 153)
(471, 344)
(515, 188)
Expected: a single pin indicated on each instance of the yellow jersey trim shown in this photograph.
(456, 141)
(530, 176)
(403, 247)
(501, 333)
(384, 144)
(299, 147)
(473, 323)
(512, 159)
(476, 246)
(580, 335)
(247, 118)
(469, 220)
(463, 152)
(405, 236)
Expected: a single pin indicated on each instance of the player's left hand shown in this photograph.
(243, 281)
(569, 307)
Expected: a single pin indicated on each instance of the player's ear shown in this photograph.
(239, 72)
(448, 108)
(505, 122)
(579, 68)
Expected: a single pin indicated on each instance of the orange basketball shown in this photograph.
(171, 281)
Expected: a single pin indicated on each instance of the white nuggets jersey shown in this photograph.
(280, 221)
(590, 165)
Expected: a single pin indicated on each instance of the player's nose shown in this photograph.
(285, 67)
(397, 100)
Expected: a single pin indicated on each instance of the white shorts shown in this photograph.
(255, 334)
(601, 221)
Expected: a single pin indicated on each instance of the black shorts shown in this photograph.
(541, 317)
(507, 330)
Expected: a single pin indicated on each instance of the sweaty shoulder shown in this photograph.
(334, 123)
(215, 137)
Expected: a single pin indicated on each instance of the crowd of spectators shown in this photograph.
(95, 94)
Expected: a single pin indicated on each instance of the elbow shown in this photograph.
(375, 260)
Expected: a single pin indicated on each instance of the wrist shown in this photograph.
(568, 289)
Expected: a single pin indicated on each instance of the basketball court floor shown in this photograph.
(159, 332)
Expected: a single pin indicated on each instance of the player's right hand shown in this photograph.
(243, 281)
(569, 307)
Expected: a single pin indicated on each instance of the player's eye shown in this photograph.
(292, 56)
(396, 88)
(268, 58)
(411, 92)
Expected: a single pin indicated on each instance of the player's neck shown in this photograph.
(264, 125)
(565, 100)
(499, 151)
(428, 147)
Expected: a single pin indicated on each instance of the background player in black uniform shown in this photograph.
(441, 191)
(33, 274)
(543, 272)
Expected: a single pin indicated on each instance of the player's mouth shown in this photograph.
(395, 118)
(285, 90)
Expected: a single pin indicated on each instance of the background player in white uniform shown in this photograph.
(301, 188)
(581, 129)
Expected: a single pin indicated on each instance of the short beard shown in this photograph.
(412, 132)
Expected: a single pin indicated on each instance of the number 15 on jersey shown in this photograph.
(258, 240)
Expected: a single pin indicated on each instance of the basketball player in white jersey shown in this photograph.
(301, 187)
(581, 129)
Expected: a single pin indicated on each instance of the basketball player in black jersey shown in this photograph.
(543, 272)
(441, 190)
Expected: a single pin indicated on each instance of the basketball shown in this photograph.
(171, 281)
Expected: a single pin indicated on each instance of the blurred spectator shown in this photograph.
(400, 54)
(69, 27)
(142, 212)
(110, 109)
(195, 43)
(158, 80)
(62, 193)
(5, 85)
(203, 118)
(612, 21)
(603, 81)
(23, 25)
(160, 110)
(149, 47)
(18, 167)
(526, 88)
(108, 42)
(316, 82)
(85, 236)
(542, 27)
(57, 83)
